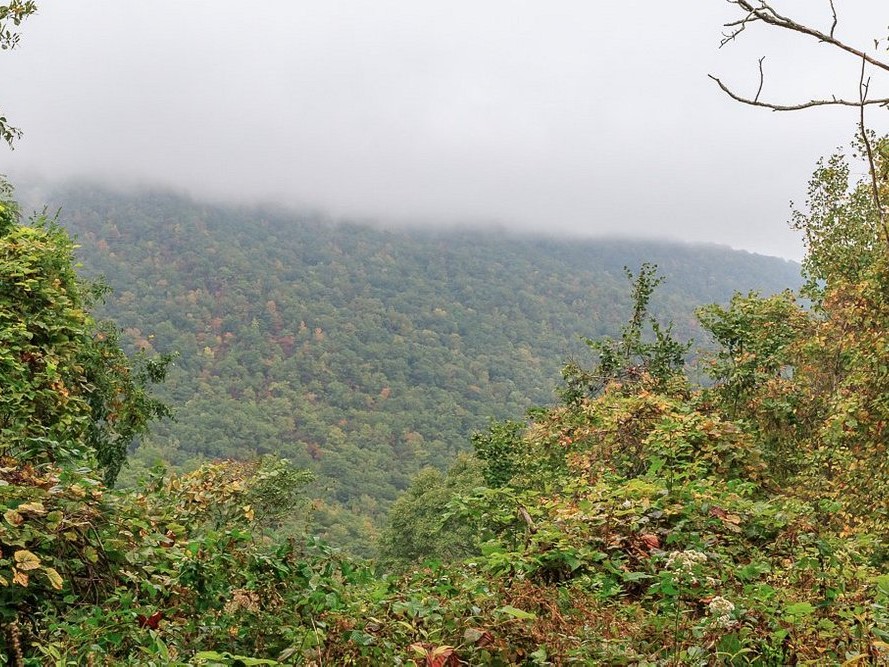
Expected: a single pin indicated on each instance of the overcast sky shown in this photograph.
(585, 117)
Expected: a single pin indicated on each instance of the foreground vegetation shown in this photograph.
(642, 520)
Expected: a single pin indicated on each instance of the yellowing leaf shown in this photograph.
(13, 518)
(32, 508)
(19, 578)
(4, 581)
(25, 560)
(55, 579)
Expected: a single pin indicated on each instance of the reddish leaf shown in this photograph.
(150, 621)
(650, 541)
(442, 656)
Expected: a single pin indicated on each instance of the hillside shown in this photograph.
(640, 518)
(360, 353)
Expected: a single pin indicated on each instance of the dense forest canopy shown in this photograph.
(360, 353)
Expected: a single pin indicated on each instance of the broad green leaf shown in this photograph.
(799, 609)
(516, 613)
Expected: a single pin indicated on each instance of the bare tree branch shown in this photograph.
(760, 10)
(737, 28)
(834, 101)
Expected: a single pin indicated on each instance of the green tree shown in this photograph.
(68, 394)
(812, 384)
(419, 526)
(833, 382)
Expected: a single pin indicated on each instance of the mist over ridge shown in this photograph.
(513, 112)
(38, 193)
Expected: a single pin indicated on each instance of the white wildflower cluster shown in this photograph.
(684, 561)
(722, 609)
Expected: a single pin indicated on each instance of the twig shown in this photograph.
(318, 640)
(739, 25)
(863, 87)
(833, 26)
(761, 80)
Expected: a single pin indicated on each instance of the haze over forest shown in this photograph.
(569, 117)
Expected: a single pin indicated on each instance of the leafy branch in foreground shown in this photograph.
(11, 16)
(69, 393)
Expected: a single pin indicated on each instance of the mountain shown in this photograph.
(361, 353)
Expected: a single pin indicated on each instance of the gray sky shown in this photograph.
(586, 117)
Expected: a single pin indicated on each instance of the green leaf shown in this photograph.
(517, 613)
(799, 609)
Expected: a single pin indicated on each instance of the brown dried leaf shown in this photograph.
(651, 541)
(32, 508)
(19, 578)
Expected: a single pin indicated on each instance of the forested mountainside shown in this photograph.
(359, 353)
(639, 519)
